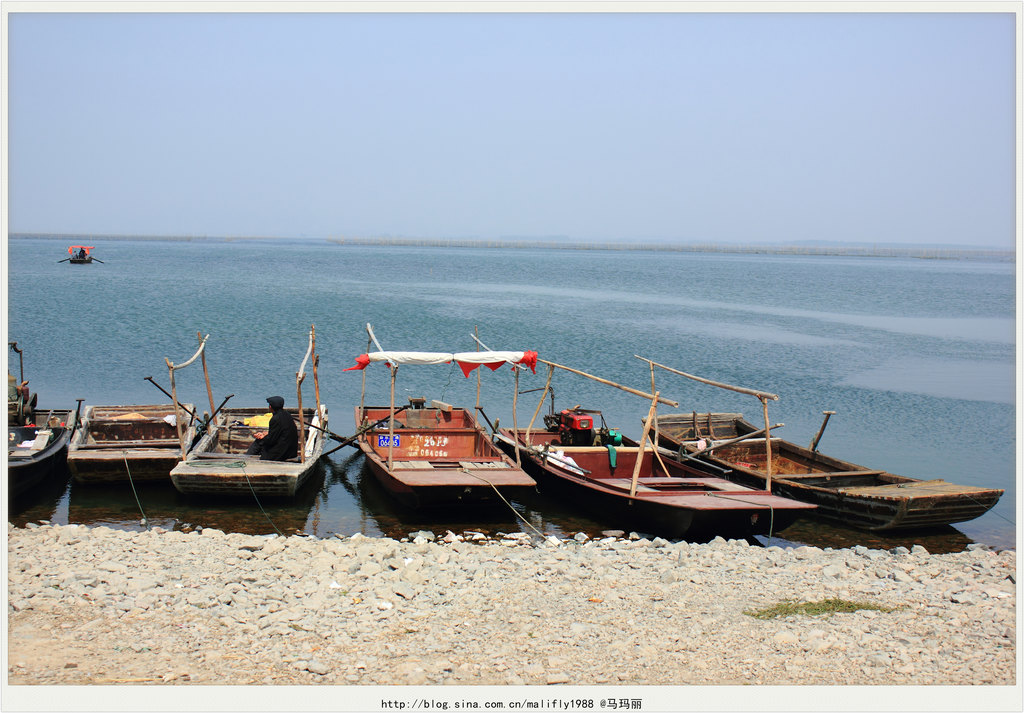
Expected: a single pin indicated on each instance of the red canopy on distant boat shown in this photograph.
(87, 248)
(467, 361)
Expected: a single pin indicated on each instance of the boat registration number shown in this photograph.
(385, 441)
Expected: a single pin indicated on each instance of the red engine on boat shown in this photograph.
(575, 429)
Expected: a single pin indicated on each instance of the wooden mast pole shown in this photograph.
(300, 376)
(763, 397)
(476, 333)
(171, 368)
(540, 404)
(641, 448)
(515, 410)
(636, 392)
(206, 376)
(316, 376)
(391, 421)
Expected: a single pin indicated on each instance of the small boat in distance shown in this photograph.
(844, 492)
(119, 443)
(598, 469)
(81, 255)
(218, 464)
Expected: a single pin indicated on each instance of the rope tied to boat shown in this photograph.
(498, 492)
(257, 499)
(145, 520)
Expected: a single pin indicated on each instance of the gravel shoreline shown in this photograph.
(94, 605)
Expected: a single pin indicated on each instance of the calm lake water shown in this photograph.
(916, 357)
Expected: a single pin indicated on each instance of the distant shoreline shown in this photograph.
(930, 252)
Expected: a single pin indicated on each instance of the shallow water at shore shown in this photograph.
(343, 498)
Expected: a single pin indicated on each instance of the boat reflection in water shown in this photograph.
(343, 498)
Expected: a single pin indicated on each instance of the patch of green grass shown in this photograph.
(824, 607)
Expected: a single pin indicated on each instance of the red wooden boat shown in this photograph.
(436, 455)
(662, 497)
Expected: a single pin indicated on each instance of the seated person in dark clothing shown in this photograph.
(281, 440)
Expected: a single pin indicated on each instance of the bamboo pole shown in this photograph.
(515, 409)
(730, 387)
(177, 413)
(300, 376)
(391, 420)
(611, 383)
(763, 397)
(478, 378)
(206, 376)
(641, 449)
(316, 376)
(362, 393)
(540, 404)
(767, 445)
(171, 368)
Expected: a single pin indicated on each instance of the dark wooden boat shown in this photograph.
(118, 443)
(38, 450)
(436, 455)
(218, 463)
(80, 254)
(847, 493)
(667, 498)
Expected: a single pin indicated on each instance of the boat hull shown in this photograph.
(27, 470)
(845, 493)
(218, 464)
(442, 457)
(670, 500)
(126, 443)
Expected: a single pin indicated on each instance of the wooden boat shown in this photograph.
(662, 497)
(218, 463)
(436, 455)
(80, 255)
(844, 492)
(38, 450)
(118, 443)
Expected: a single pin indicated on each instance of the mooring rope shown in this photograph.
(516, 512)
(145, 520)
(241, 464)
(258, 503)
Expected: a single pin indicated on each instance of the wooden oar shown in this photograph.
(99, 261)
(183, 408)
(722, 444)
(64, 260)
(363, 429)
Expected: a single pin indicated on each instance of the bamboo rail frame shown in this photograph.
(171, 368)
(300, 376)
(635, 392)
(762, 396)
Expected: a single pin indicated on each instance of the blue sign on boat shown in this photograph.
(383, 441)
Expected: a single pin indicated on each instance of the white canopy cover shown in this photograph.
(467, 361)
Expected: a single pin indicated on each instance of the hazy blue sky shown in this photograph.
(682, 127)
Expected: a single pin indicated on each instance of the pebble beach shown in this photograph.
(92, 606)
